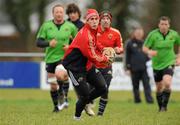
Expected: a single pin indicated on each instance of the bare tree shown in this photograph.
(19, 12)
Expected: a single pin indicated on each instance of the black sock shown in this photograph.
(166, 95)
(66, 90)
(159, 96)
(102, 106)
(54, 96)
(60, 92)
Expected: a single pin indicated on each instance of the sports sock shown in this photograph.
(159, 96)
(66, 90)
(166, 95)
(54, 96)
(102, 106)
(60, 92)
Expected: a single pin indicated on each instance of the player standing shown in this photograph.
(54, 36)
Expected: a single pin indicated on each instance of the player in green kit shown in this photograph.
(160, 46)
(54, 35)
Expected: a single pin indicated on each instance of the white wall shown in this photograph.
(120, 81)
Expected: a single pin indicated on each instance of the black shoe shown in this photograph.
(137, 101)
(163, 109)
(56, 109)
(99, 114)
(150, 102)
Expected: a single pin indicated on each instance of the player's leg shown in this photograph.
(159, 95)
(50, 68)
(107, 74)
(89, 107)
(95, 78)
(53, 90)
(62, 77)
(60, 95)
(167, 81)
(82, 89)
(66, 90)
(159, 87)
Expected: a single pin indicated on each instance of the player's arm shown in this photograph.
(41, 38)
(100, 47)
(91, 52)
(149, 51)
(119, 44)
(178, 55)
(109, 52)
(147, 46)
(42, 43)
(93, 56)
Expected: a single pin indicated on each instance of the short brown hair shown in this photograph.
(164, 18)
(72, 8)
(57, 5)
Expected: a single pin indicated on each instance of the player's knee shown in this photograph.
(61, 76)
(53, 83)
(52, 80)
(159, 86)
(61, 73)
(167, 80)
(103, 90)
(167, 86)
(84, 98)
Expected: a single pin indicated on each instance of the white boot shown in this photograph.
(89, 110)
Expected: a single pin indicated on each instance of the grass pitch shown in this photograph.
(34, 107)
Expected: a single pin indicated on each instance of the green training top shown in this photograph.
(164, 45)
(62, 35)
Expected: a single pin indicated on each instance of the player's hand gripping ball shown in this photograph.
(110, 53)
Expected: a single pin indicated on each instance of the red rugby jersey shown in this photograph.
(111, 37)
(85, 41)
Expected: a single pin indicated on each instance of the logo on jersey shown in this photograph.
(66, 29)
(171, 38)
(98, 34)
(110, 36)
